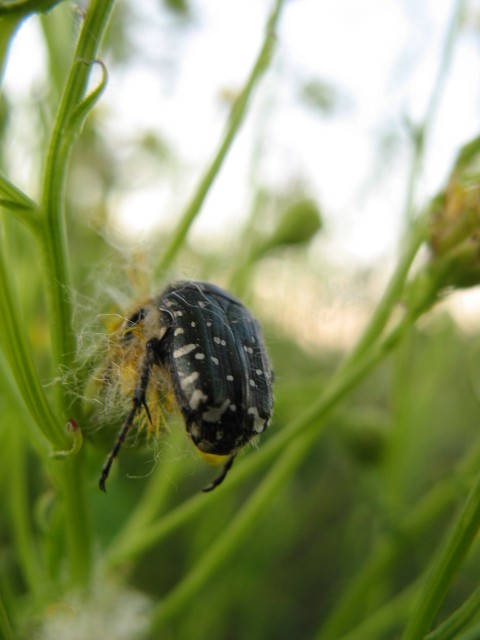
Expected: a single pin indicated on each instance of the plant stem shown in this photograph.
(417, 523)
(265, 493)
(226, 543)
(386, 617)
(472, 634)
(303, 432)
(450, 628)
(349, 602)
(55, 246)
(445, 566)
(8, 27)
(12, 197)
(152, 500)
(349, 374)
(236, 118)
(392, 292)
(24, 7)
(26, 550)
(5, 626)
(69, 473)
(18, 353)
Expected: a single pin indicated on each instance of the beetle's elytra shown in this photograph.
(211, 350)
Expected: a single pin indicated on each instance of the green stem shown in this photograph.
(303, 431)
(472, 634)
(152, 500)
(13, 198)
(67, 126)
(55, 247)
(385, 619)
(8, 28)
(349, 602)
(18, 353)
(393, 291)
(226, 543)
(72, 482)
(349, 374)
(445, 566)
(26, 551)
(418, 522)
(24, 7)
(265, 493)
(6, 630)
(236, 118)
(452, 626)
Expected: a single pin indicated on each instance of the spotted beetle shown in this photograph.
(210, 351)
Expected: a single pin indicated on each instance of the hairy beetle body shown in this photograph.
(212, 351)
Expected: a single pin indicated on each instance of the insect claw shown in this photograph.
(147, 411)
(221, 477)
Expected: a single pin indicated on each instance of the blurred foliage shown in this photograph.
(402, 432)
(322, 96)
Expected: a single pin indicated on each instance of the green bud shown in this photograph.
(454, 225)
(297, 225)
(455, 214)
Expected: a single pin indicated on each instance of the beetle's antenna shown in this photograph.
(139, 401)
(221, 477)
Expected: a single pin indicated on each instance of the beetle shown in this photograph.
(209, 351)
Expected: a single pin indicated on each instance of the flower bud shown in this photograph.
(454, 225)
(298, 224)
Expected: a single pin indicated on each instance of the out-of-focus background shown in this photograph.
(333, 122)
(304, 223)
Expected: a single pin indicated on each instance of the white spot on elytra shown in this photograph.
(189, 380)
(214, 414)
(214, 360)
(258, 422)
(248, 349)
(193, 323)
(259, 372)
(252, 383)
(229, 378)
(216, 339)
(202, 304)
(196, 399)
(200, 356)
(182, 351)
(178, 331)
(178, 314)
(194, 430)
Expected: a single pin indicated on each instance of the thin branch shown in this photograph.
(236, 118)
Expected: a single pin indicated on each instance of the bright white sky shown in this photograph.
(381, 56)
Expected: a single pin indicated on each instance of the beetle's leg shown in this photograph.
(221, 477)
(139, 401)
